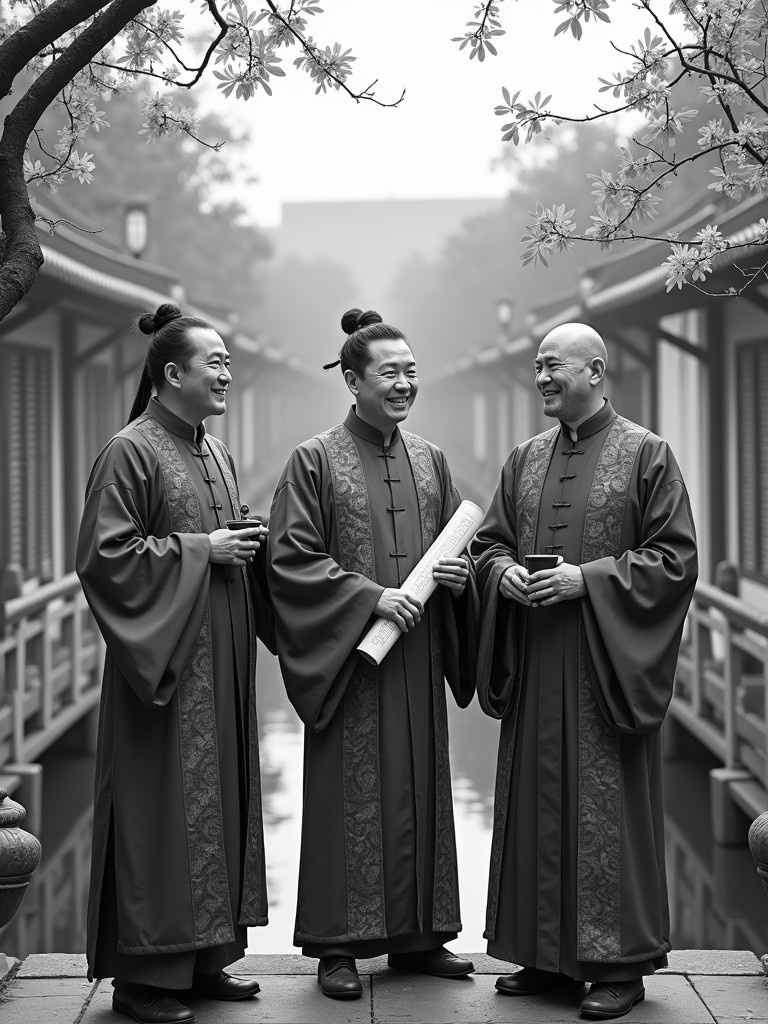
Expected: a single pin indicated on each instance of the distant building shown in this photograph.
(372, 238)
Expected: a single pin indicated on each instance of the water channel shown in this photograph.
(716, 898)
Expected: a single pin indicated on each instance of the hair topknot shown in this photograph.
(354, 319)
(150, 323)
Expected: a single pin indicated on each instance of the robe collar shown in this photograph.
(367, 432)
(175, 424)
(602, 418)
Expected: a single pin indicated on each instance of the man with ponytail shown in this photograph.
(354, 511)
(177, 870)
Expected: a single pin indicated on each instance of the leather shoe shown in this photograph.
(149, 1005)
(439, 962)
(530, 981)
(224, 986)
(338, 977)
(608, 999)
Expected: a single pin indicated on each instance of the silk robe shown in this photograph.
(378, 853)
(177, 792)
(577, 880)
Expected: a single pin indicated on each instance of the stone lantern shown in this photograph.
(19, 856)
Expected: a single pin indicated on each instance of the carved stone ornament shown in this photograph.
(19, 856)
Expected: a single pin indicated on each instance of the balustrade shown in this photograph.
(51, 660)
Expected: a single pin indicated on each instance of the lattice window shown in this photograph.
(25, 461)
(752, 405)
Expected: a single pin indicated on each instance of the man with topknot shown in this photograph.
(177, 871)
(354, 511)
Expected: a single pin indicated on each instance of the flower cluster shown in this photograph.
(721, 49)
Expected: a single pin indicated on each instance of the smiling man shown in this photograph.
(354, 511)
(579, 661)
(177, 871)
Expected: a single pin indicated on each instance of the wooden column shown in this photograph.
(72, 482)
(716, 397)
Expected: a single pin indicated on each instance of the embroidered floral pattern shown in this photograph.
(423, 467)
(252, 912)
(361, 772)
(599, 865)
(197, 734)
(529, 490)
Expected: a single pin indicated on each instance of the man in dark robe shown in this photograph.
(579, 662)
(354, 511)
(178, 860)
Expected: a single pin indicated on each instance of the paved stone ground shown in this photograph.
(699, 987)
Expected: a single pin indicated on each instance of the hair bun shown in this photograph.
(355, 318)
(150, 323)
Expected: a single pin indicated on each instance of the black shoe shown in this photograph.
(608, 999)
(439, 962)
(530, 981)
(338, 977)
(149, 1005)
(224, 986)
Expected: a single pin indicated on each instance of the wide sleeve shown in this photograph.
(148, 593)
(256, 575)
(321, 610)
(500, 651)
(459, 616)
(636, 604)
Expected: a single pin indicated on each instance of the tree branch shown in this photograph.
(45, 28)
(310, 52)
(22, 256)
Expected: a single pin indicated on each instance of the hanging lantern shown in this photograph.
(19, 856)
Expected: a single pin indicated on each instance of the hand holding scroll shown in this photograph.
(441, 560)
(453, 573)
(398, 607)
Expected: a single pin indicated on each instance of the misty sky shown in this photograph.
(443, 138)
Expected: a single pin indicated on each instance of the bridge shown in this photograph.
(694, 370)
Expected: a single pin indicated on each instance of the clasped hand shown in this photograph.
(548, 586)
(236, 547)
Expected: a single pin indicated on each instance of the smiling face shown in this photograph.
(385, 393)
(200, 386)
(570, 367)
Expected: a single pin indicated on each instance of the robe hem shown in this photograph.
(302, 938)
(662, 950)
(183, 947)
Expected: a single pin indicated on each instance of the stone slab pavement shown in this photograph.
(698, 987)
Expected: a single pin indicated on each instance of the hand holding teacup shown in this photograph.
(551, 583)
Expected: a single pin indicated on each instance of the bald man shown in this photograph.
(578, 661)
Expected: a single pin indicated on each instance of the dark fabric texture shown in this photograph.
(177, 774)
(577, 880)
(377, 814)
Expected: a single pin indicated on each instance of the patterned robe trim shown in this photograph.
(527, 502)
(209, 887)
(252, 913)
(599, 838)
(445, 908)
(360, 744)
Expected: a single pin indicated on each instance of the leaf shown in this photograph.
(576, 31)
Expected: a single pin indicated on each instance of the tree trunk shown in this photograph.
(22, 256)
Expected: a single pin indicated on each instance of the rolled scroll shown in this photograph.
(421, 584)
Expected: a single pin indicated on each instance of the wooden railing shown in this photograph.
(51, 660)
(721, 689)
